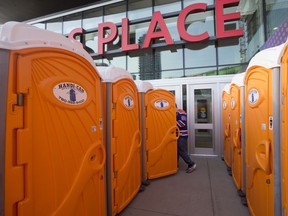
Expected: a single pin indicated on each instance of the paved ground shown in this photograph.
(208, 191)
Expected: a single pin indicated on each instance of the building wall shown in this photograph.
(259, 20)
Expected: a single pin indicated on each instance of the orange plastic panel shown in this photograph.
(226, 109)
(284, 129)
(161, 138)
(259, 160)
(126, 143)
(236, 135)
(54, 151)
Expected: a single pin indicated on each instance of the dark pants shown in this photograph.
(182, 143)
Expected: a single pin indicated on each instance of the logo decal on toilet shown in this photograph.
(70, 93)
(224, 104)
(161, 104)
(128, 102)
(232, 102)
(253, 96)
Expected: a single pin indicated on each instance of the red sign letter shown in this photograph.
(102, 27)
(75, 32)
(157, 18)
(125, 36)
(200, 7)
(221, 18)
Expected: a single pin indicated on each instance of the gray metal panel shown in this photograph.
(143, 137)
(108, 148)
(4, 57)
(243, 139)
(276, 139)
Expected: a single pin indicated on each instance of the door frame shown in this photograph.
(219, 81)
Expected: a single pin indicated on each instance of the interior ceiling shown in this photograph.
(23, 10)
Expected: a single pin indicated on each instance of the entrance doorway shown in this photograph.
(201, 98)
(201, 118)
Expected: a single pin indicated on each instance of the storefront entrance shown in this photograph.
(201, 98)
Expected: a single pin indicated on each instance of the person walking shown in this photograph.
(181, 120)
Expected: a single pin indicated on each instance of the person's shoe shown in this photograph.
(191, 169)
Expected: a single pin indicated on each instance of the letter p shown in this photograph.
(102, 27)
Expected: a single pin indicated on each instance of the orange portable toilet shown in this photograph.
(238, 146)
(122, 137)
(284, 129)
(159, 131)
(226, 116)
(262, 122)
(52, 153)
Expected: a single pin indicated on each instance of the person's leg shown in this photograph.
(182, 142)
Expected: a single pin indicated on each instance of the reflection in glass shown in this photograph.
(138, 9)
(91, 42)
(209, 71)
(92, 18)
(115, 12)
(189, 2)
(200, 54)
(229, 51)
(55, 25)
(203, 138)
(170, 60)
(167, 6)
(71, 22)
(203, 106)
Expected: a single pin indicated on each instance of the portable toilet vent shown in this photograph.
(122, 137)
(262, 122)
(51, 150)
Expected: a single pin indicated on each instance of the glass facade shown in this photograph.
(259, 20)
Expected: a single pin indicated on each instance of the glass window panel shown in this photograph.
(172, 74)
(138, 9)
(233, 69)
(91, 42)
(71, 22)
(169, 60)
(229, 51)
(200, 23)
(276, 14)
(118, 62)
(40, 25)
(203, 106)
(139, 31)
(189, 2)
(200, 54)
(167, 6)
(115, 12)
(55, 25)
(133, 64)
(92, 18)
(210, 71)
(203, 138)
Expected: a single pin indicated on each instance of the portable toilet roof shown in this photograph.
(227, 88)
(113, 74)
(238, 79)
(143, 86)
(264, 59)
(17, 35)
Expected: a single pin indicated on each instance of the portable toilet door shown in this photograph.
(262, 121)
(160, 133)
(53, 161)
(284, 129)
(236, 93)
(143, 87)
(123, 138)
(226, 116)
